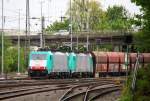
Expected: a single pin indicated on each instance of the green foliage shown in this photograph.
(7, 44)
(142, 89)
(11, 57)
(145, 4)
(142, 92)
(64, 49)
(117, 18)
(103, 48)
(142, 42)
(144, 22)
(81, 48)
(56, 26)
(126, 93)
(89, 16)
(96, 16)
(86, 15)
(11, 60)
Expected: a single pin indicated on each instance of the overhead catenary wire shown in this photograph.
(14, 11)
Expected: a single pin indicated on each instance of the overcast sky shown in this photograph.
(52, 10)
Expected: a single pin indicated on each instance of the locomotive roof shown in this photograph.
(41, 52)
(61, 53)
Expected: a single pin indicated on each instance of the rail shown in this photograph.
(83, 90)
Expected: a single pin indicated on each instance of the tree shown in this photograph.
(56, 26)
(143, 37)
(7, 44)
(118, 19)
(86, 15)
(145, 4)
(142, 89)
(11, 57)
(11, 60)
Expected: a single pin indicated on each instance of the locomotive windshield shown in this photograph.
(38, 56)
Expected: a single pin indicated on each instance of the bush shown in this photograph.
(142, 89)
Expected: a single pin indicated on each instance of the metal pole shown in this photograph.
(2, 69)
(88, 28)
(28, 24)
(25, 54)
(48, 10)
(126, 62)
(41, 9)
(19, 43)
(71, 41)
(87, 44)
(27, 30)
(42, 26)
(71, 25)
(27, 38)
(87, 17)
(77, 43)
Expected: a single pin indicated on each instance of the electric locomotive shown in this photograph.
(40, 63)
(60, 65)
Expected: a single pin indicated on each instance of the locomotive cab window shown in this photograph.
(38, 56)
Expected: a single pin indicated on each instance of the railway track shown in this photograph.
(22, 92)
(89, 92)
(72, 86)
(23, 83)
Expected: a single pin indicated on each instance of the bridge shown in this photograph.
(92, 39)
